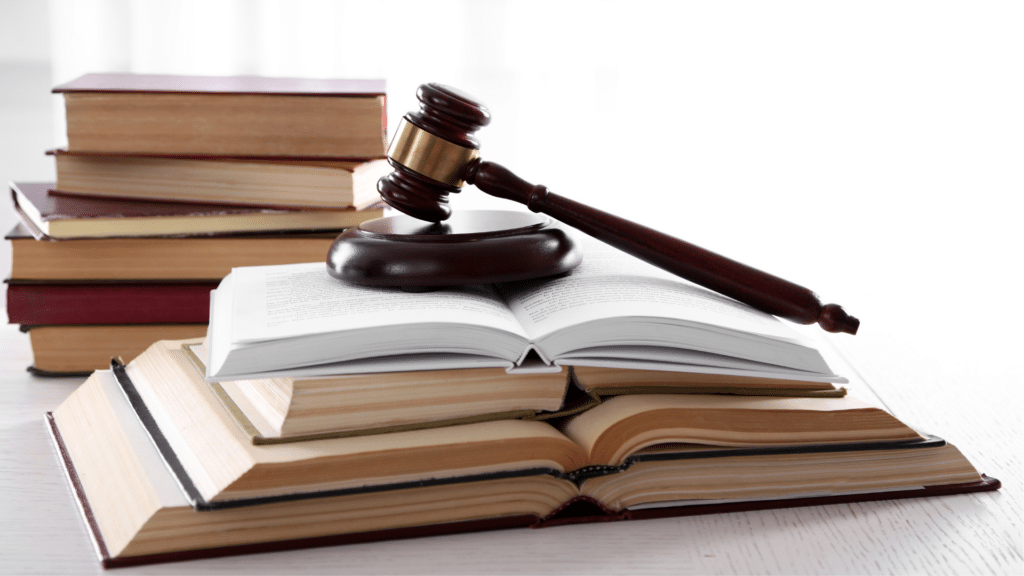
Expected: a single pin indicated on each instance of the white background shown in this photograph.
(871, 151)
(857, 148)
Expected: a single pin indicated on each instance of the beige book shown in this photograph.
(274, 182)
(225, 116)
(189, 258)
(80, 349)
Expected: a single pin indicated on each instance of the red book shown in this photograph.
(44, 303)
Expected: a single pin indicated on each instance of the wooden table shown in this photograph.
(952, 397)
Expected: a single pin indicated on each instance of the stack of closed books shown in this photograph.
(316, 412)
(166, 184)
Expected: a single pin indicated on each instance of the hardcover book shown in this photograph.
(63, 217)
(225, 116)
(274, 182)
(42, 302)
(195, 258)
(146, 494)
(78, 350)
(225, 467)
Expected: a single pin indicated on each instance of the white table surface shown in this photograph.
(42, 532)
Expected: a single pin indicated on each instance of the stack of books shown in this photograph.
(166, 184)
(316, 412)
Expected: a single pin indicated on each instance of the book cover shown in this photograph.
(166, 83)
(46, 303)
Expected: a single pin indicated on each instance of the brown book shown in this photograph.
(187, 258)
(162, 477)
(275, 182)
(78, 350)
(225, 116)
(66, 217)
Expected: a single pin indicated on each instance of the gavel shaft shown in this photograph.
(759, 289)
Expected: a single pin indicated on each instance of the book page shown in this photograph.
(277, 302)
(612, 284)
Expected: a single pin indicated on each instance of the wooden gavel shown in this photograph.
(434, 153)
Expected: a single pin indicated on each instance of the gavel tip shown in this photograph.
(834, 319)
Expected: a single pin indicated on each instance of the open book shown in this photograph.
(164, 475)
(611, 311)
(224, 466)
(289, 409)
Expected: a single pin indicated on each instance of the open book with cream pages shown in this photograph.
(286, 409)
(162, 476)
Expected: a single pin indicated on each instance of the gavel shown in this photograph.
(434, 152)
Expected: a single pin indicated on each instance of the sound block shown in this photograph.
(471, 247)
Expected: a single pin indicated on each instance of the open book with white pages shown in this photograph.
(612, 311)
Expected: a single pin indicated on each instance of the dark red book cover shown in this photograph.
(40, 303)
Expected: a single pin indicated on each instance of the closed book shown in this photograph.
(281, 182)
(37, 303)
(62, 217)
(66, 350)
(225, 116)
(206, 258)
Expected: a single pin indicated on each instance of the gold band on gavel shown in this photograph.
(429, 155)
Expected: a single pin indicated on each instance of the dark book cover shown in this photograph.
(341, 162)
(54, 207)
(48, 303)
(164, 83)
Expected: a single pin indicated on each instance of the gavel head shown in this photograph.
(431, 151)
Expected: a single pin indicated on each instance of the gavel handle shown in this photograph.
(759, 289)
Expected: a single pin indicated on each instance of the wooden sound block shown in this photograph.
(471, 247)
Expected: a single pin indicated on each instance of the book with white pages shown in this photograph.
(613, 311)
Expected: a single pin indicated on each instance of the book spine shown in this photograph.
(157, 303)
